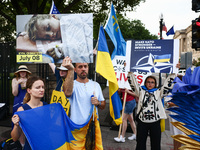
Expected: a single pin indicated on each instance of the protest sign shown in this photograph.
(59, 97)
(153, 56)
(121, 74)
(51, 37)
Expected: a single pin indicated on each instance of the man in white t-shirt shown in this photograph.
(82, 92)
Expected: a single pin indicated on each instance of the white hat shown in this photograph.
(22, 68)
(62, 68)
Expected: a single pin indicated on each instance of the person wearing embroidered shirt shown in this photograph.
(80, 91)
(150, 110)
(60, 73)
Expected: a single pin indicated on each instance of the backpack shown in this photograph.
(9, 144)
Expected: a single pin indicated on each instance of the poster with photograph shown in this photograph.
(152, 56)
(48, 38)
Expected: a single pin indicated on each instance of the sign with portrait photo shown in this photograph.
(48, 38)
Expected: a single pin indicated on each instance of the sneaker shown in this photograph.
(121, 139)
(133, 137)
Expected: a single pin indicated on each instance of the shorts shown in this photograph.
(129, 107)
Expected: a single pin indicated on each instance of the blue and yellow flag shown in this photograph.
(105, 68)
(48, 127)
(114, 32)
(162, 58)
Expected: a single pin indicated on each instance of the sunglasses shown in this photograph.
(150, 82)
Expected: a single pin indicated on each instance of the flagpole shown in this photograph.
(161, 27)
(124, 103)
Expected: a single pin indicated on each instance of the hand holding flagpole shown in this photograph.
(124, 103)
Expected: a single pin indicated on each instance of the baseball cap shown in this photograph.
(62, 68)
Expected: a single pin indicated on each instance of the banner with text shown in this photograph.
(152, 56)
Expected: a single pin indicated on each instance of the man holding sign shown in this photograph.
(85, 96)
(57, 95)
(60, 73)
(82, 92)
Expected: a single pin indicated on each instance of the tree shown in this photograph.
(134, 29)
(10, 8)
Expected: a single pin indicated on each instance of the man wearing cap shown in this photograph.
(60, 73)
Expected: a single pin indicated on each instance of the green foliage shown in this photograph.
(7, 30)
(10, 8)
(196, 63)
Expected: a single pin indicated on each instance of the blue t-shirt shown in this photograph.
(80, 100)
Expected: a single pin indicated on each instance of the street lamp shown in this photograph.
(161, 25)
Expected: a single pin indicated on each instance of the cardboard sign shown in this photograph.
(59, 97)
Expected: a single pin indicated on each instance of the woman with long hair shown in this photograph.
(35, 92)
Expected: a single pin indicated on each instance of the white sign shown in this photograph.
(141, 76)
(120, 71)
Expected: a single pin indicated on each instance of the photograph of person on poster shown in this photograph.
(57, 36)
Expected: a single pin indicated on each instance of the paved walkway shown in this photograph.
(110, 144)
(108, 141)
(108, 135)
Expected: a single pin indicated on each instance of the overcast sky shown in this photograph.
(175, 12)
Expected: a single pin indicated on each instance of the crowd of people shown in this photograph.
(83, 93)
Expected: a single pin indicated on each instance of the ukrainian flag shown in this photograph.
(114, 32)
(162, 58)
(105, 68)
(48, 127)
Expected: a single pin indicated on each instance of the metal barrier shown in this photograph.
(5, 69)
(8, 66)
